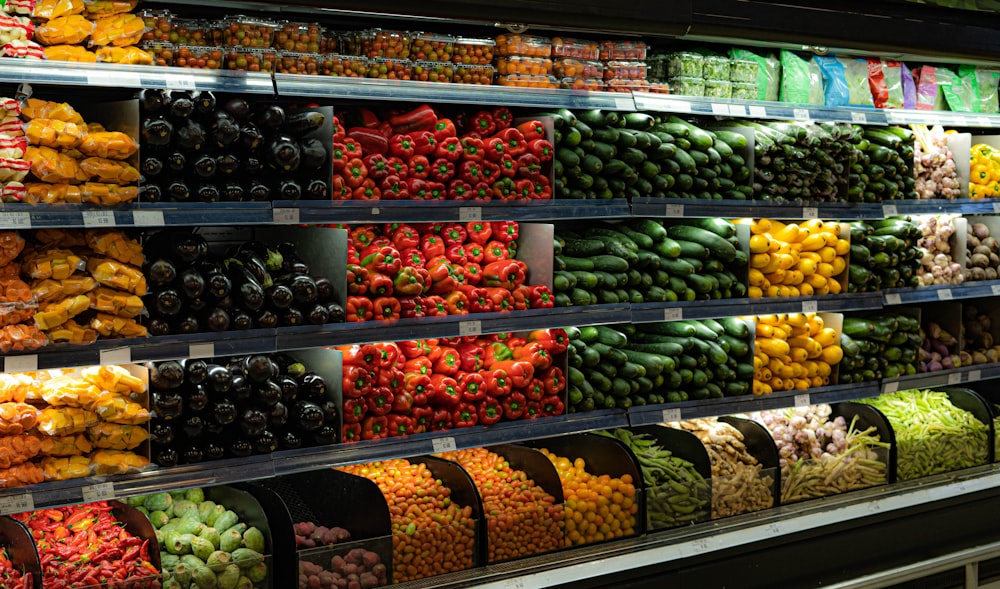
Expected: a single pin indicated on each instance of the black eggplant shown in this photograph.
(197, 398)
(152, 100)
(192, 454)
(312, 387)
(223, 412)
(291, 317)
(259, 368)
(267, 319)
(254, 264)
(227, 164)
(188, 248)
(150, 192)
(265, 443)
(271, 257)
(235, 365)
(325, 436)
(258, 191)
(241, 388)
(189, 135)
(204, 102)
(161, 433)
(270, 117)
(192, 283)
(266, 394)
(225, 130)
(176, 161)
(336, 313)
(157, 132)
(283, 153)
(152, 165)
(214, 430)
(178, 190)
(195, 371)
(208, 193)
(168, 302)
(289, 190)
(217, 320)
(204, 166)
(166, 375)
(189, 323)
(253, 165)
(314, 155)
(158, 326)
(214, 451)
(233, 192)
(249, 292)
(166, 457)
(217, 285)
(303, 123)
(192, 426)
(277, 416)
(219, 379)
(303, 287)
(324, 289)
(252, 422)
(308, 416)
(167, 405)
(279, 296)
(238, 108)
(181, 104)
(226, 303)
(241, 448)
(241, 319)
(290, 441)
(318, 315)
(317, 190)
(161, 272)
(250, 137)
(291, 262)
(330, 413)
(289, 389)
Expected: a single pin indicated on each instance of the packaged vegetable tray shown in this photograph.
(526, 45)
(384, 43)
(743, 70)
(159, 24)
(244, 31)
(576, 48)
(718, 89)
(589, 84)
(251, 59)
(198, 57)
(390, 69)
(625, 70)
(433, 71)
(432, 47)
(160, 52)
(715, 67)
(570, 67)
(473, 51)
(347, 66)
(623, 50)
(626, 85)
(473, 74)
(684, 86)
(742, 91)
(685, 63)
(517, 64)
(291, 62)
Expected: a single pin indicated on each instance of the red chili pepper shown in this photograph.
(367, 191)
(482, 122)
(513, 406)
(528, 166)
(354, 173)
(413, 257)
(489, 412)
(421, 118)
(472, 148)
(419, 167)
(387, 308)
(378, 166)
(432, 246)
(464, 416)
(495, 148)
(370, 140)
(417, 188)
(505, 231)
(541, 298)
(443, 129)
(531, 130)
(442, 170)
(351, 432)
(542, 149)
(471, 172)
(401, 146)
(424, 143)
(375, 428)
(503, 117)
(459, 189)
(359, 309)
(436, 306)
(449, 148)
(399, 425)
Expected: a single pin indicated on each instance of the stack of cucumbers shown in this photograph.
(795, 162)
(882, 345)
(882, 168)
(884, 254)
(643, 260)
(647, 364)
(606, 154)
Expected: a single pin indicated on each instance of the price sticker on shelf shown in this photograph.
(17, 504)
(801, 114)
(984, 122)
(285, 216)
(995, 289)
(955, 378)
(802, 400)
(720, 109)
(93, 219)
(874, 506)
(177, 82)
(376, 211)
(116, 356)
(673, 314)
(119, 79)
(201, 350)
(98, 492)
(945, 294)
(670, 105)
(674, 211)
(624, 103)
(147, 218)
(859, 118)
(893, 299)
(15, 220)
(737, 110)
(889, 210)
(470, 214)
(515, 584)
(959, 121)
(703, 545)
(890, 387)
(810, 306)
(810, 213)
(758, 112)
(671, 415)
(444, 444)
(28, 363)
(467, 328)
(996, 207)
(774, 529)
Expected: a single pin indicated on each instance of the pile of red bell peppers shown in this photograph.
(408, 387)
(421, 155)
(86, 546)
(401, 271)
(11, 576)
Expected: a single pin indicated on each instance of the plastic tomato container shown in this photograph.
(385, 43)
(660, 88)
(249, 59)
(301, 37)
(244, 31)
(473, 74)
(161, 52)
(472, 51)
(625, 70)
(158, 23)
(433, 71)
(390, 69)
(528, 81)
(516, 64)
(195, 32)
(578, 48)
(205, 58)
(348, 66)
(569, 67)
(592, 84)
(624, 50)
(526, 45)
(626, 85)
(290, 62)
(431, 47)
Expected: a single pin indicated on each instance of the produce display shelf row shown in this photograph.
(354, 211)
(942, 292)
(716, 309)
(952, 377)
(673, 207)
(653, 414)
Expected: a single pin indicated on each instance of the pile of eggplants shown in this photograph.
(799, 162)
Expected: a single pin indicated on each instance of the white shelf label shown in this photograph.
(674, 314)
(624, 103)
(703, 545)
(376, 211)
(98, 492)
(98, 219)
(955, 378)
(116, 356)
(996, 206)
(996, 289)
(671, 415)
(893, 299)
(444, 444)
(874, 506)
(889, 210)
(670, 105)
(859, 117)
(177, 82)
(737, 110)
(774, 529)
(470, 214)
(890, 387)
(15, 220)
(17, 504)
(945, 294)
(975, 375)
(112, 79)
(467, 328)
(802, 400)
(758, 112)
(675, 211)
(27, 363)
(720, 109)
(810, 213)
(959, 121)
(287, 216)
(810, 306)
(801, 114)
(515, 584)
(147, 218)
(201, 350)
(984, 122)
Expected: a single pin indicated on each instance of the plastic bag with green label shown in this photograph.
(801, 80)
(983, 82)
(957, 90)
(768, 73)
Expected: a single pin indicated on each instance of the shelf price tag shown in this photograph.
(470, 214)
(201, 350)
(98, 492)
(376, 211)
(890, 387)
(17, 504)
(810, 213)
(720, 109)
(874, 506)
(801, 114)
(286, 216)
(702, 545)
(98, 219)
(180, 82)
(975, 375)
(810, 306)
(959, 121)
(945, 294)
(673, 314)
(515, 584)
(624, 103)
(893, 299)
(955, 378)
(996, 207)
(758, 111)
(995, 289)
(671, 415)
(444, 444)
(147, 218)
(859, 118)
(802, 400)
(674, 211)
(670, 105)
(120, 79)
(889, 210)
(737, 110)
(774, 529)
(116, 356)
(28, 363)
(984, 122)
(467, 328)
(15, 220)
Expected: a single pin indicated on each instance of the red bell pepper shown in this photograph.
(356, 381)
(456, 254)
(354, 173)
(384, 259)
(489, 171)
(421, 118)
(437, 190)
(418, 385)
(489, 412)
(432, 246)
(351, 432)
(472, 148)
(458, 272)
(532, 130)
(399, 167)
(498, 382)
(533, 409)
(522, 295)
(553, 405)
(555, 340)
(361, 117)
(377, 427)
(513, 406)
(402, 402)
(404, 237)
(339, 157)
(504, 189)
(495, 251)
(458, 303)
(419, 167)
(401, 146)
(413, 257)
(444, 391)
(414, 348)
(497, 352)
(520, 372)
(379, 285)
(367, 191)
(483, 124)
(338, 131)
(446, 360)
(355, 409)
(542, 149)
(502, 117)
(399, 425)
(474, 252)
(389, 359)
(528, 166)
(494, 149)
(378, 166)
(535, 353)
(534, 391)
(541, 298)
(394, 188)
(459, 189)
(473, 387)
(417, 188)
(505, 231)
(421, 364)
(501, 298)
(543, 190)
(353, 149)
(464, 416)
(508, 167)
(442, 170)
(482, 191)
(387, 308)
(479, 300)
(370, 140)
(444, 128)
(339, 189)
(359, 309)
(524, 189)
(503, 273)
(424, 143)
(408, 282)
(367, 356)
(441, 420)
(442, 276)
(436, 306)
(411, 308)
(422, 417)
(479, 231)
(471, 357)
(514, 141)
(379, 401)
(449, 148)
(357, 280)
(454, 234)
(471, 171)
(553, 380)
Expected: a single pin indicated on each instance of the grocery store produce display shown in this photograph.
(934, 169)
(239, 406)
(978, 345)
(795, 351)
(982, 251)
(885, 254)
(938, 266)
(795, 162)
(797, 259)
(880, 345)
